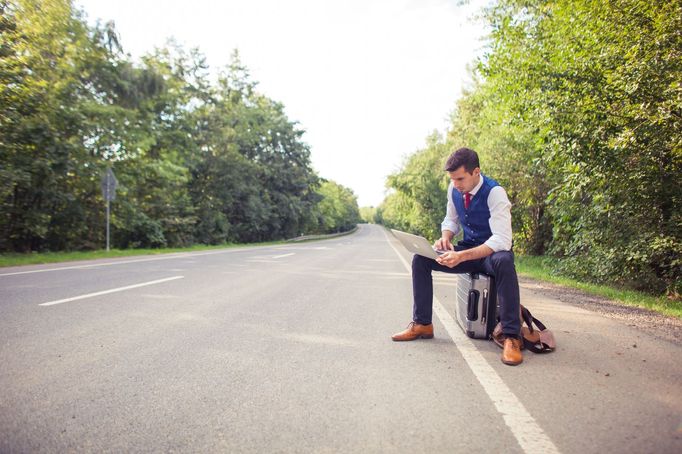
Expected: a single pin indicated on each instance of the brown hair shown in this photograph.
(462, 157)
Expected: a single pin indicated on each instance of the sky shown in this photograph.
(368, 80)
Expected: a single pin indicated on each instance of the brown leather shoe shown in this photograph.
(414, 331)
(511, 355)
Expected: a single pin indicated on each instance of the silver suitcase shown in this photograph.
(476, 304)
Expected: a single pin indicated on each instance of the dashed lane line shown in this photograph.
(113, 290)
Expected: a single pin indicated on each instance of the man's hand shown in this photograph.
(444, 244)
(451, 258)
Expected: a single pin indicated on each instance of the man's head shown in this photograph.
(463, 169)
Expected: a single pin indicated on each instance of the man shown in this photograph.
(479, 206)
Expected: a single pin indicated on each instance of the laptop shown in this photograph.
(417, 244)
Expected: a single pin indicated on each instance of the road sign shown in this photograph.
(109, 184)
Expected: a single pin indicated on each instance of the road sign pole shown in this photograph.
(109, 184)
(108, 225)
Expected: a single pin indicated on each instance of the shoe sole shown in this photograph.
(424, 336)
(509, 363)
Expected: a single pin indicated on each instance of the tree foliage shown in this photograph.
(337, 210)
(418, 192)
(575, 109)
(197, 160)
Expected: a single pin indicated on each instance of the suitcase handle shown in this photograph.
(472, 305)
(484, 306)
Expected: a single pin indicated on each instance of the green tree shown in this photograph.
(47, 58)
(575, 110)
(368, 214)
(196, 161)
(605, 77)
(418, 201)
(338, 209)
(253, 157)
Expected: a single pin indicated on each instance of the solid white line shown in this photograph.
(283, 255)
(525, 429)
(113, 290)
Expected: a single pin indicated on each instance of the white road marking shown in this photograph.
(152, 259)
(113, 290)
(525, 429)
(283, 255)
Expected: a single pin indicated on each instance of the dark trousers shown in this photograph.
(499, 264)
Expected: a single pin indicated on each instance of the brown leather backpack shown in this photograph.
(538, 340)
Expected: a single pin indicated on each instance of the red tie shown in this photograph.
(467, 200)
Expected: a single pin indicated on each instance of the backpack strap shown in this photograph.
(541, 341)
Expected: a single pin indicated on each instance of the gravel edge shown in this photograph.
(658, 325)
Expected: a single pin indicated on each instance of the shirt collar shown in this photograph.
(478, 186)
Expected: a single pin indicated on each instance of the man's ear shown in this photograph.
(476, 172)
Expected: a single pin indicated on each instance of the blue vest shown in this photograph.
(475, 221)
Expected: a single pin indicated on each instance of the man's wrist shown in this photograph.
(477, 252)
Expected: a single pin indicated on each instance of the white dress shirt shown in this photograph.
(500, 217)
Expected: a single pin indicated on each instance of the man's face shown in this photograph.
(463, 180)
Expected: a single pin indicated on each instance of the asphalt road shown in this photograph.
(287, 349)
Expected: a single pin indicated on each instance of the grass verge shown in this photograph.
(540, 268)
(54, 257)
(37, 258)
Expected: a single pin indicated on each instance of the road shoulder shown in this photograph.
(653, 323)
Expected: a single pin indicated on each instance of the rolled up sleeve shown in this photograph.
(451, 221)
(500, 220)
